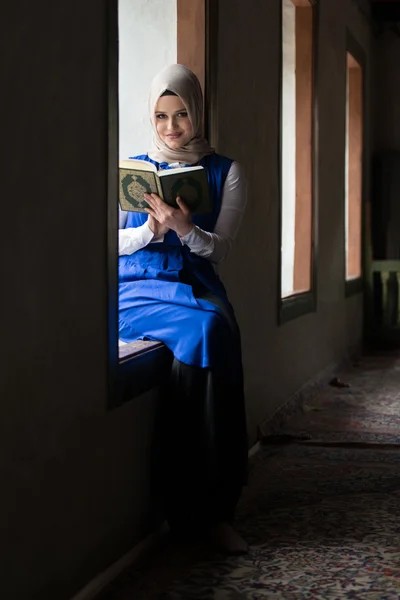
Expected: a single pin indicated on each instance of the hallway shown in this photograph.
(322, 516)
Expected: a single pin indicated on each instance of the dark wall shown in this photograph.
(74, 477)
(386, 88)
(279, 359)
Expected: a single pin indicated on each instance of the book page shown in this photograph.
(135, 163)
(167, 172)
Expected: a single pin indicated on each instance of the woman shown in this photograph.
(169, 291)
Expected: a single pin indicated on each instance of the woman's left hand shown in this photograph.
(177, 219)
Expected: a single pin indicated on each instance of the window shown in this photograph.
(186, 33)
(179, 28)
(297, 268)
(353, 167)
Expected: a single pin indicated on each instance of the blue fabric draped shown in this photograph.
(156, 291)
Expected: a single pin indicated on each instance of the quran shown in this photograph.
(139, 177)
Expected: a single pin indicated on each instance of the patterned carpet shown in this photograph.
(322, 516)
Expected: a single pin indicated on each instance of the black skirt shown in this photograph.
(202, 440)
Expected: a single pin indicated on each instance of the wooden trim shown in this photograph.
(198, 49)
(302, 3)
(191, 33)
(354, 137)
(211, 73)
(304, 148)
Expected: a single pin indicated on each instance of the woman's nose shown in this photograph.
(172, 124)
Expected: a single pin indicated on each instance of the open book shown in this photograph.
(137, 177)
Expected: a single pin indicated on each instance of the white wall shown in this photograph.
(147, 43)
(288, 145)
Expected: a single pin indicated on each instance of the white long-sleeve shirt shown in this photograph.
(212, 245)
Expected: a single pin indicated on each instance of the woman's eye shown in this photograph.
(183, 114)
(160, 116)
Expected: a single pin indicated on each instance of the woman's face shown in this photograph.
(172, 122)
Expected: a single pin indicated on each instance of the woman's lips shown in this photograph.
(174, 136)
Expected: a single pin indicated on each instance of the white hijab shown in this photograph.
(183, 82)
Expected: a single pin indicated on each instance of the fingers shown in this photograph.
(153, 199)
(158, 205)
(158, 209)
(177, 219)
(152, 223)
(152, 212)
(152, 204)
(155, 202)
(182, 206)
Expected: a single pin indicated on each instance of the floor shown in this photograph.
(322, 516)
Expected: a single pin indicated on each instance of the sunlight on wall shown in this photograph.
(147, 43)
(288, 145)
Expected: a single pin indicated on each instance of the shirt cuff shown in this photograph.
(198, 241)
(149, 236)
(190, 237)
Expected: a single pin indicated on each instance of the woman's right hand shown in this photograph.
(156, 227)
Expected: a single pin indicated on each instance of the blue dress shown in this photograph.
(164, 294)
(161, 288)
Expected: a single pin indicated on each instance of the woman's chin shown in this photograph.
(173, 145)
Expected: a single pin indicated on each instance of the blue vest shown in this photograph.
(179, 256)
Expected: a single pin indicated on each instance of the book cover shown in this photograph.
(133, 184)
(189, 183)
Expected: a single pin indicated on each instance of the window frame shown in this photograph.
(297, 305)
(149, 363)
(353, 47)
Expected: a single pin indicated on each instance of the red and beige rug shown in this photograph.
(322, 516)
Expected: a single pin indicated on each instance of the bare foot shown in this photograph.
(228, 540)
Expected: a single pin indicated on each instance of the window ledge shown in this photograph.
(126, 351)
(296, 306)
(353, 286)
(142, 366)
